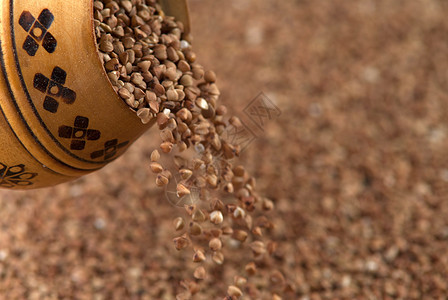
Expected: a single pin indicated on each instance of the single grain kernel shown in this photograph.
(198, 256)
(156, 167)
(166, 147)
(221, 110)
(139, 94)
(178, 223)
(239, 213)
(161, 180)
(162, 119)
(180, 243)
(112, 65)
(167, 135)
(190, 209)
(215, 232)
(172, 95)
(160, 52)
(202, 103)
(251, 269)
(183, 66)
(257, 231)
(218, 257)
(210, 76)
(227, 230)
(172, 54)
(124, 93)
(106, 46)
(185, 173)
(272, 247)
(248, 221)
(186, 80)
(184, 114)
(145, 115)
(113, 77)
(153, 104)
(239, 281)
(128, 42)
(137, 79)
(234, 291)
(127, 5)
(195, 229)
(215, 244)
(229, 188)
(235, 121)
(193, 287)
(155, 156)
(198, 72)
(240, 235)
(200, 273)
(182, 190)
(268, 205)
(216, 217)
(198, 216)
(258, 248)
(144, 65)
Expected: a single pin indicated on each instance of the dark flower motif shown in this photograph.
(15, 176)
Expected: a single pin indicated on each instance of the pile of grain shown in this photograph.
(154, 70)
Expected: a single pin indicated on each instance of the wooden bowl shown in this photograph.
(59, 115)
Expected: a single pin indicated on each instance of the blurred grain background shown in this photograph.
(356, 163)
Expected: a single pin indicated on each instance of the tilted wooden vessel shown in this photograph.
(59, 115)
